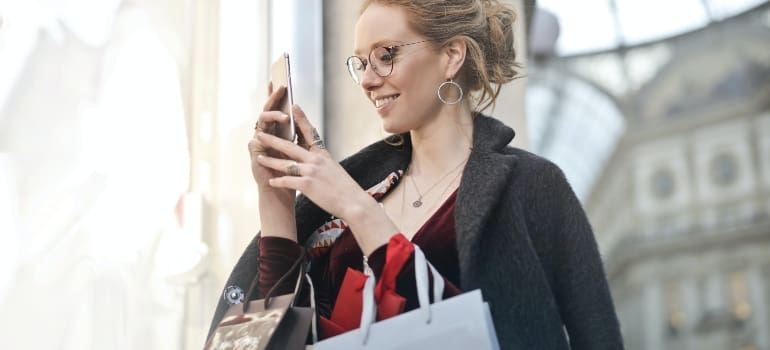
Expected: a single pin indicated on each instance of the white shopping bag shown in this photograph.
(461, 322)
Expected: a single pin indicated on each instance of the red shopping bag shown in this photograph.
(346, 315)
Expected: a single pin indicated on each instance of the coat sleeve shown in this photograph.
(580, 284)
(242, 275)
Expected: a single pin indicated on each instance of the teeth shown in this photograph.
(382, 101)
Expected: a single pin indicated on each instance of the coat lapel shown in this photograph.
(484, 180)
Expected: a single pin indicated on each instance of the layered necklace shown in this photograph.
(418, 203)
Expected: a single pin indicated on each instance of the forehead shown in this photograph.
(380, 24)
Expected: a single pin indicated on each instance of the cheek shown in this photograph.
(418, 82)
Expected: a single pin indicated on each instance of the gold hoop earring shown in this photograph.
(456, 85)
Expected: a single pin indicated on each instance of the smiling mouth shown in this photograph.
(385, 100)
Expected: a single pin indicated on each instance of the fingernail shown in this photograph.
(285, 116)
(260, 134)
(259, 156)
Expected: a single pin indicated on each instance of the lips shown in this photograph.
(384, 101)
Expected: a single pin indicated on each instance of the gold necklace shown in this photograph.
(418, 202)
(403, 200)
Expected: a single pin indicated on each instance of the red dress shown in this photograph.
(332, 258)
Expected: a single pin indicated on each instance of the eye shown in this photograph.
(384, 54)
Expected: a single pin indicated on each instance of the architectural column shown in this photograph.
(759, 306)
(510, 104)
(653, 316)
(690, 306)
(350, 120)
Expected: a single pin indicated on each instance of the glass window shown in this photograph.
(574, 125)
(675, 315)
(595, 25)
(586, 25)
(725, 8)
(644, 21)
(739, 296)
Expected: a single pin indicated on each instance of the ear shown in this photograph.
(454, 52)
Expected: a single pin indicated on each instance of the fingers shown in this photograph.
(265, 123)
(273, 117)
(286, 147)
(309, 135)
(256, 149)
(274, 98)
(268, 119)
(296, 183)
(297, 174)
(303, 126)
(277, 164)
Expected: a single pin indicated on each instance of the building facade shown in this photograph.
(681, 208)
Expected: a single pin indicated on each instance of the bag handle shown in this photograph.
(421, 267)
(268, 296)
(368, 312)
(313, 321)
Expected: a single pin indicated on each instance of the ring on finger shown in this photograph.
(257, 127)
(317, 141)
(293, 169)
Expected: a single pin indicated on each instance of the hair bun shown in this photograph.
(501, 54)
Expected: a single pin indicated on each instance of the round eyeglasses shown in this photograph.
(381, 59)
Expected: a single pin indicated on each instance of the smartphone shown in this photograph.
(280, 75)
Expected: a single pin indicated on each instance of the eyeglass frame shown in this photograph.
(367, 61)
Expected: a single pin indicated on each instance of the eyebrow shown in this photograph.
(377, 44)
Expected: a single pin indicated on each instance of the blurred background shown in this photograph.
(126, 195)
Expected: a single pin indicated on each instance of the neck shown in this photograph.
(442, 143)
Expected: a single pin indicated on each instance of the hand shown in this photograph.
(266, 123)
(276, 205)
(310, 169)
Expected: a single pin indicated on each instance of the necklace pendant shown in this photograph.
(417, 203)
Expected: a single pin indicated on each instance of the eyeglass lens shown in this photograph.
(380, 58)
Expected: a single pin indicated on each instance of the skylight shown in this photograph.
(596, 25)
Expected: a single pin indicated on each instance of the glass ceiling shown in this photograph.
(595, 25)
(573, 124)
(573, 114)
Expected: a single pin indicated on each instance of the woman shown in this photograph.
(486, 215)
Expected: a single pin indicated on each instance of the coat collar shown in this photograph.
(486, 174)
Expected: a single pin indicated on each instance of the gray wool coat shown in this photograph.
(522, 237)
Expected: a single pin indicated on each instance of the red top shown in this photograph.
(436, 238)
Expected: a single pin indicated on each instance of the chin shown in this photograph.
(393, 128)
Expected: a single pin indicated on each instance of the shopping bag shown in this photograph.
(266, 324)
(346, 314)
(461, 322)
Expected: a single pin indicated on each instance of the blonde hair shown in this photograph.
(487, 28)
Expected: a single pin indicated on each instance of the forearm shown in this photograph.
(276, 256)
(276, 214)
(370, 225)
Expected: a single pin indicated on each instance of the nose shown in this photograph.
(370, 79)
